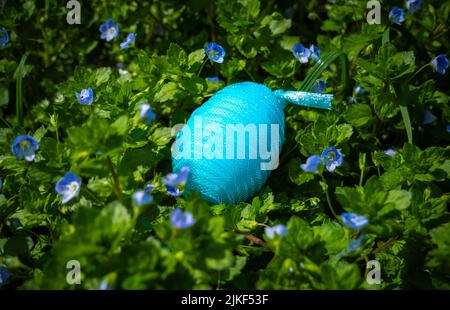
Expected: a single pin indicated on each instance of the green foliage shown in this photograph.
(115, 153)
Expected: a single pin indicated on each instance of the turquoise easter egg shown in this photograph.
(232, 142)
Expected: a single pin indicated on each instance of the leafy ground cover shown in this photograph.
(86, 112)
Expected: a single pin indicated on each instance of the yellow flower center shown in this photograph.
(73, 186)
(24, 144)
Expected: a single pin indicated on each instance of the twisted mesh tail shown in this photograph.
(305, 99)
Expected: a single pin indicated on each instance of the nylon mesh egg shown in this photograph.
(232, 142)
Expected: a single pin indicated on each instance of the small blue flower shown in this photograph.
(352, 100)
(145, 111)
(214, 79)
(332, 158)
(108, 30)
(440, 64)
(4, 275)
(104, 286)
(4, 37)
(15, 223)
(448, 128)
(428, 117)
(141, 198)
(181, 220)
(280, 230)
(359, 90)
(130, 40)
(301, 53)
(312, 164)
(353, 220)
(215, 52)
(25, 147)
(315, 52)
(413, 5)
(68, 186)
(174, 181)
(148, 188)
(1, 183)
(354, 245)
(86, 96)
(397, 15)
(390, 152)
(319, 86)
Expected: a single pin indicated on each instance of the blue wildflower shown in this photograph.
(86, 96)
(25, 147)
(145, 111)
(390, 152)
(397, 15)
(15, 223)
(68, 186)
(108, 30)
(312, 164)
(413, 5)
(428, 117)
(148, 188)
(141, 198)
(301, 53)
(4, 37)
(440, 64)
(174, 181)
(359, 90)
(4, 275)
(353, 220)
(215, 52)
(448, 128)
(130, 40)
(214, 79)
(181, 220)
(332, 158)
(104, 286)
(319, 86)
(1, 183)
(354, 245)
(315, 52)
(280, 230)
(352, 100)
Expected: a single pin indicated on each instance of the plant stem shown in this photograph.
(328, 197)
(249, 74)
(117, 188)
(201, 68)
(417, 72)
(218, 280)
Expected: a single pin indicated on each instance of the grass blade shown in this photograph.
(19, 75)
(407, 122)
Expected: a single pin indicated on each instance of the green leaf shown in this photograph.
(177, 56)
(167, 92)
(102, 76)
(195, 58)
(280, 66)
(359, 115)
(277, 23)
(400, 198)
